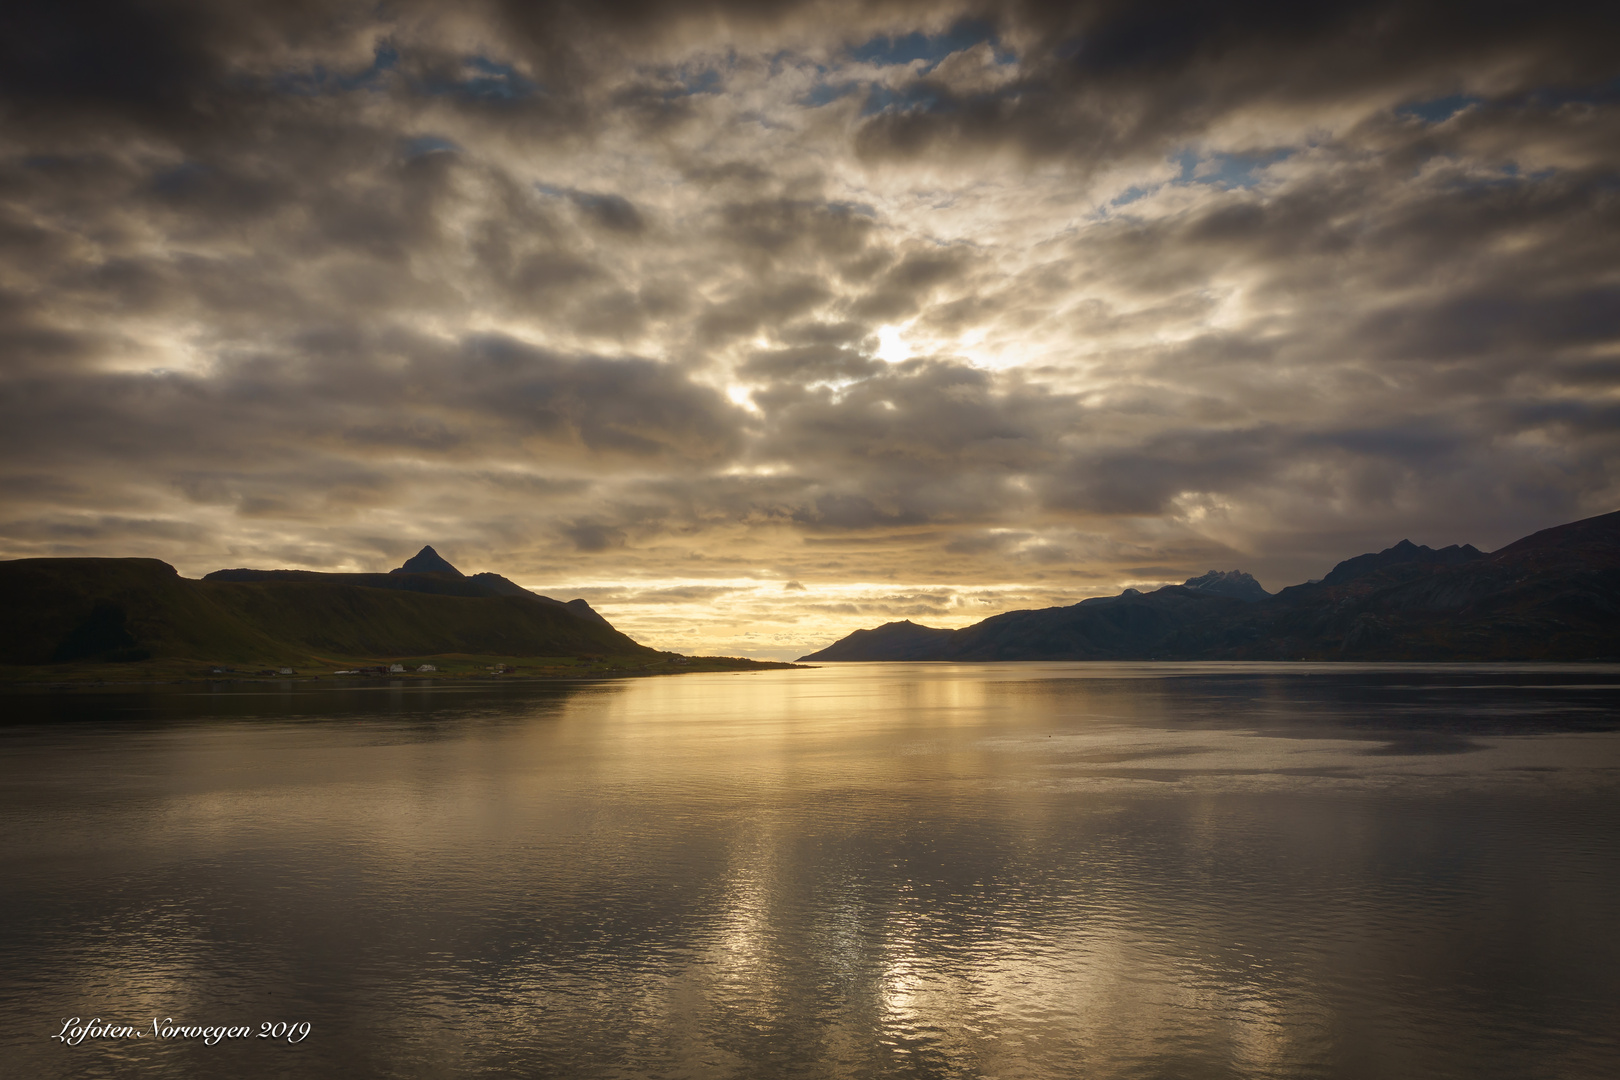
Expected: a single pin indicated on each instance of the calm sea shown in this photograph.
(1020, 870)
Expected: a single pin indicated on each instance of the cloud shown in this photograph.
(1020, 301)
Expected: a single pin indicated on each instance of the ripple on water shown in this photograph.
(887, 870)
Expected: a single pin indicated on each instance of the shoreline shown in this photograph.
(15, 681)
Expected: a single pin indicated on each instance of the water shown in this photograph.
(1026, 870)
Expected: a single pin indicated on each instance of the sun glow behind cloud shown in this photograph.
(766, 619)
(892, 347)
(996, 314)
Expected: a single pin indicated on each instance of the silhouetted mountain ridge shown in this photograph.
(904, 640)
(1399, 555)
(427, 561)
(118, 610)
(1554, 595)
(425, 572)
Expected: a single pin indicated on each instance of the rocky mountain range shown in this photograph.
(1554, 595)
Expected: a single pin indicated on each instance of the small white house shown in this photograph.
(396, 669)
(426, 667)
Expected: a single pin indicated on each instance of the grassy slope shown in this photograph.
(346, 620)
(44, 602)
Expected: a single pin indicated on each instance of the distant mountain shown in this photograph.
(895, 641)
(1128, 626)
(1551, 596)
(1233, 583)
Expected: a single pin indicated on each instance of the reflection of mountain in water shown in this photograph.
(1551, 596)
(1043, 871)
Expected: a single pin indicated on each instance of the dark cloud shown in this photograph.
(611, 211)
(1144, 479)
(1104, 81)
(1030, 298)
(903, 289)
(743, 314)
(631, 406)
(142, 60)
(592, 536)
(934, 416)
(806, 363)
(778, 230)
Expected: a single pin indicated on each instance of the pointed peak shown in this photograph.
(426, 561)
(1401, 554)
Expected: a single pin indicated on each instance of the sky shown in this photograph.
(755, 324)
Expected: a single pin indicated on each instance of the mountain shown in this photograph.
(895, 641)
(495, 585)
(1233, 583)
(112, 610)
(1554, 595)
(125, 611)
(427, 561)
(1125, 627)
(1401, 554)
(425, 572)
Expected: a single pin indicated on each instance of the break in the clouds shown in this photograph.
(754, 324)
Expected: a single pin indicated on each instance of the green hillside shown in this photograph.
(346, 620)
(109, 611)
